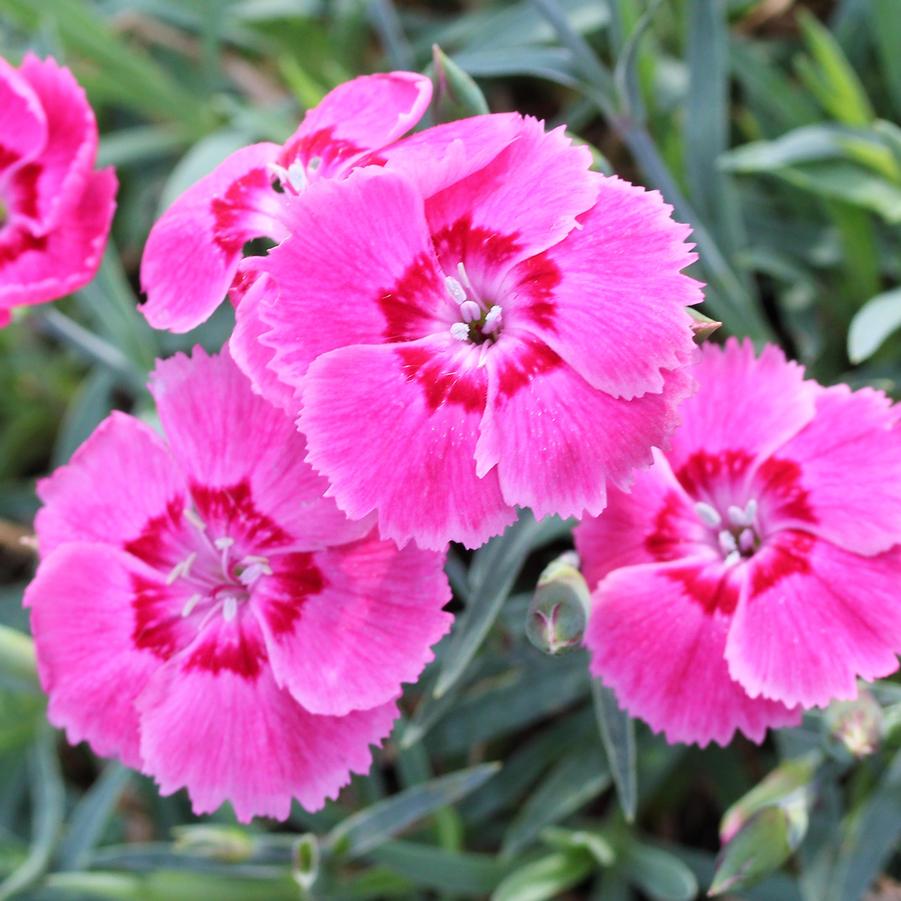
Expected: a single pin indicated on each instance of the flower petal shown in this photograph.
(852, 432)
(556, 440)
(362, 114)
(223, 435)
(34, 269)
(394, 429)
(746, 403)
(370, 628)
(531, 194)
(357, 269)
(193, 251)
(617, 276)
(84, 625)
(23, 122)
(118, 480)
(814, 618)
(658, 643)
(228, 733)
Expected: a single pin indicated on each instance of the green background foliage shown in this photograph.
(770, 125)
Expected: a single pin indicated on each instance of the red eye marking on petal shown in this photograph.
(23, 190)
(468, 243)
(231, 511)
(332, 153)
(231, 209)
(296, 578)
(156, 628)
(787, 555)
(781, 481)
(667, 540)
(441, 385)
(234, 649)
(515, 372)
(157, 545)
(7, 156)
(703, 473)
(18, 241)
(539, 276)
(409, 305)
(711, 587)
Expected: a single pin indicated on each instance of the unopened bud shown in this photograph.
(226, 843)
(456, 95)
(305, 861)
(857, 724)
(702, 326)
(558, 613)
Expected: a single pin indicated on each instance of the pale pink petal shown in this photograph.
(653, 522)
(526, 200)
(84, 623)
(657, 634)
(436, 157)
(617, 276)
(193, 251)
(363, 114)
(68, 154)
(34, 269)
(745, 403)
(23, 123)
(394, 428)
(555, 440)
(225, 436)
(214, 721)
(848, 462)
(253, 357)
(116, 482)
(369, 629)
(814, 618)
(357, 269)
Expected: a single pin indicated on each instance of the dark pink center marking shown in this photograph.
(409, 306)
(441, 382)
(231, 210)
(320, 151)
(531, 362)
(539, 278)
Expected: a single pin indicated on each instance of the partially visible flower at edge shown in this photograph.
(754, 569)
(55, 210)
(202, 613)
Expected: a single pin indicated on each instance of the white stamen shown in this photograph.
(470, 311)
(460, 330)
(192, 517)
(455, 289)
(708, 514)
(727, 542)
(280, 172)
(181, 569)
(746, 540)
(751, 511)
(229, 608)
(297, 176)
(224, 543)
(190, 604)
(492, 320)
(736, 515)
(464, 279)
(732, 559)
(253, 572)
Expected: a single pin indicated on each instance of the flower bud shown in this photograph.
(702, 326)
(857, 725)
(456, 95)
(305, 861)
(226, 843)
(558, 613)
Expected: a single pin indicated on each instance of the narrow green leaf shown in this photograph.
(364, 831)
(575, 780)
(873, 323)
(659, 874)
(17, 658)
(438, 869)
(548, 877)
(596, 844)
(618, 736)
(886, 28)
(90, 816)
(89, 407)
(384, 17)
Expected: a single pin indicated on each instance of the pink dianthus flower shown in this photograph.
(754, 569)
(55, 210)
(202, 613)
(482, 323)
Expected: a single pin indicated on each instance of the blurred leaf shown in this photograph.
(89, 818)
(442, 870)
(552, 63)
(592, 842)
(547, 877)
(89, 407)
(829, 76)
(886, 28)
(364, 831)
(578, 777)
(18, 664)
(873, 323)
(659, 874)
(137, 145)
(618, 735)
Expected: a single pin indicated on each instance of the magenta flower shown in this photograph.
(202, 613)
(55, 210)
(460, 337)
(193, 253)
(755, 568)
